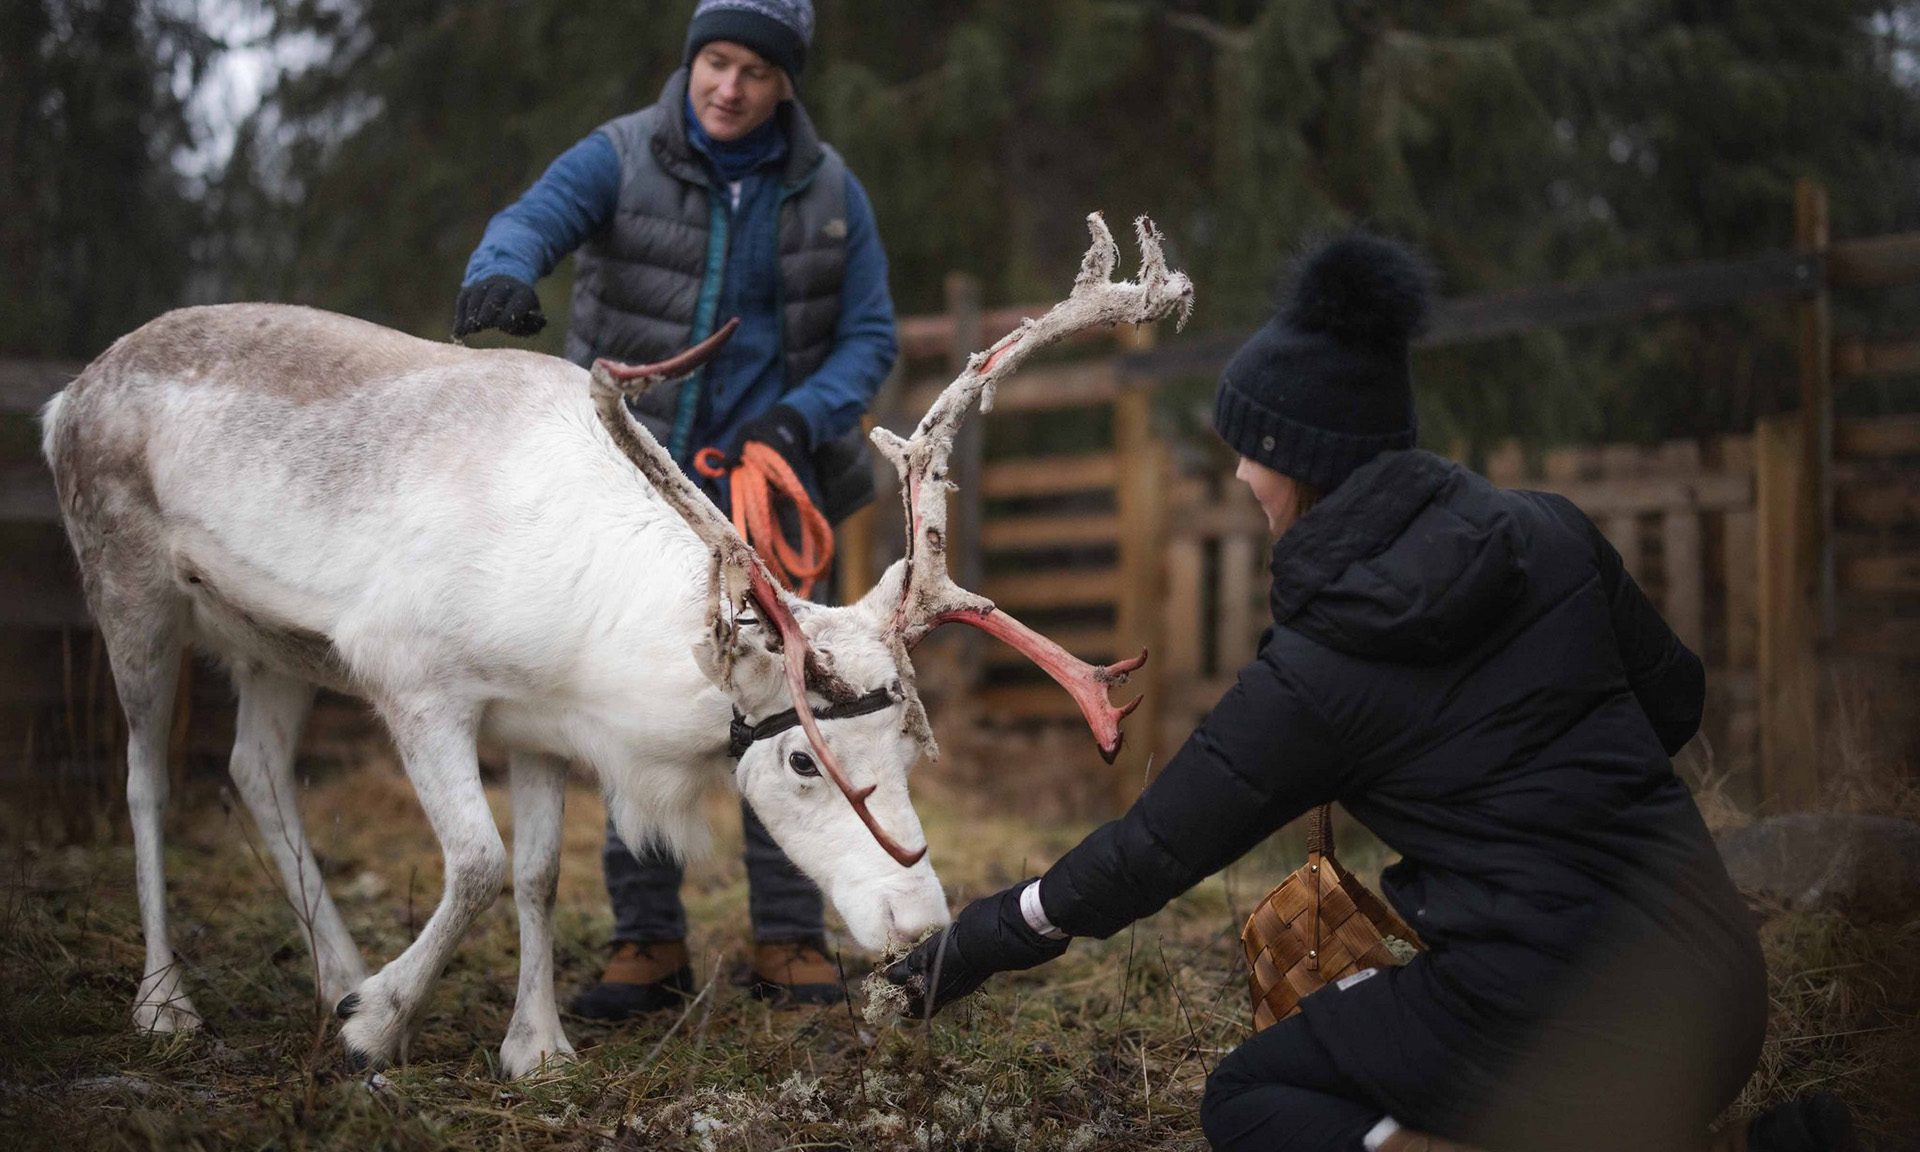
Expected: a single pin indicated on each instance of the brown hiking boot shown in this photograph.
(795, 972)
(639, 978)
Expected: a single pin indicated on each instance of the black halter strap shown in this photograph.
(741, 735)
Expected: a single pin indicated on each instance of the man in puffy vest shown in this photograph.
(718, 200)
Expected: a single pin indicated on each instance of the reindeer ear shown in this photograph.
(734, 647)
(882, 600)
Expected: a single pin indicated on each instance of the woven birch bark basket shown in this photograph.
(1317, 926)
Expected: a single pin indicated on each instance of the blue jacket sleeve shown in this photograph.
(575, 198)
(834, 397)
(1263, 756)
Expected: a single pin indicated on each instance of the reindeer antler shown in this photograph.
(737, 574)
(928, 596)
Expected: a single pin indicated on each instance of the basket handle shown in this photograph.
(1319, 853)
(1320, 831)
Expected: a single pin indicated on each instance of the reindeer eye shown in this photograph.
(802, 764)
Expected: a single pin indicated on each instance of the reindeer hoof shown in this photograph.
(349, 1004)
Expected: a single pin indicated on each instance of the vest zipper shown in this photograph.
(688, 404)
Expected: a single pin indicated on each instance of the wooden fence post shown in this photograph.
(1811, 236)
(1684, 604)
(853, 551)
(1183, 620)
(1140, 501)
(1784, 643)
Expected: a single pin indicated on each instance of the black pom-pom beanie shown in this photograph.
(1327, 385)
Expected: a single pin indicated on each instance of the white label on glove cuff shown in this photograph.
(1350, 981)
(1035, 915)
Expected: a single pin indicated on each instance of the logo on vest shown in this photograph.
(835, 229)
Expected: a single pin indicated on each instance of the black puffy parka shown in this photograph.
(1472, 675)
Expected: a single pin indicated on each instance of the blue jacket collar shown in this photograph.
(736, 159)
(675, 150)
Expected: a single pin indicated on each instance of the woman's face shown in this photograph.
(1278, 495)
(734, 89)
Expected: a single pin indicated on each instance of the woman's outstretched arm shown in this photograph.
(1263, 756)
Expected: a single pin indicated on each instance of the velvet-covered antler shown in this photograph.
(737, 572)
(928, 596)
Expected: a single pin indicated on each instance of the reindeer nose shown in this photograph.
(914, 909)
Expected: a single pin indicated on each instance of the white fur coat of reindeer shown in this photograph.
(486, 543)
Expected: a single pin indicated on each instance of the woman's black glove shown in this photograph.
(990, 935)
(498, 302)
(782, 429)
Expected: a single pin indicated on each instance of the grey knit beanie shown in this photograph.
(779, 30)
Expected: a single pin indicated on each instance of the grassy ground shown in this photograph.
(1109, 1048)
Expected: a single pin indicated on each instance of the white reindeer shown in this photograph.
(462, 538)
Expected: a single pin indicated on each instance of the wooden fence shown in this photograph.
(1683, 521)
(1786, 557)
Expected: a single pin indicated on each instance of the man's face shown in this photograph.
(734, 89)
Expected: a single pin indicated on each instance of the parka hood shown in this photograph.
(1411, 559)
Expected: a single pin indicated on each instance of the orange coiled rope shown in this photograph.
(760, 478)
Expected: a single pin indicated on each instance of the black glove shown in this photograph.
(498, 302)
(782, 429)
(990, 935)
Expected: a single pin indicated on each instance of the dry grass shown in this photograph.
(1108, 1048)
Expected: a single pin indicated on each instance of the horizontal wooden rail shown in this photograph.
(1466, 319)
(1049, 475)
(1881, 575)
(1067, 588)
(1879, 637)
(1025, 533)
(39, 601)
(1656, 292)
(1875, 261)
(1042, 388)
(1880, 502)
(25, 385)
(1213, 520)
(930, 335)
(1876, 438)
(1635, 496)
(1861, 360)
(1027, 702)
(26, 493)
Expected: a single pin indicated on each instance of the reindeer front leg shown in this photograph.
(435, 740)
(539, 787)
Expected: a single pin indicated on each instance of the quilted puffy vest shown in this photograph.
(646, 286)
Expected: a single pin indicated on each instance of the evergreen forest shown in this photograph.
(1516, 142)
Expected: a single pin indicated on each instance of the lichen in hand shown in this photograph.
(885, 999)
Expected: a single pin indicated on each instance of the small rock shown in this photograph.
(1865, 866)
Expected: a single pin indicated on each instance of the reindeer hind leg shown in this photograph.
(142, 621)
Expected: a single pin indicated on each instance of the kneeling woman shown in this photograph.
(1472, 674)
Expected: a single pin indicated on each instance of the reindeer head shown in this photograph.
(797, 672)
